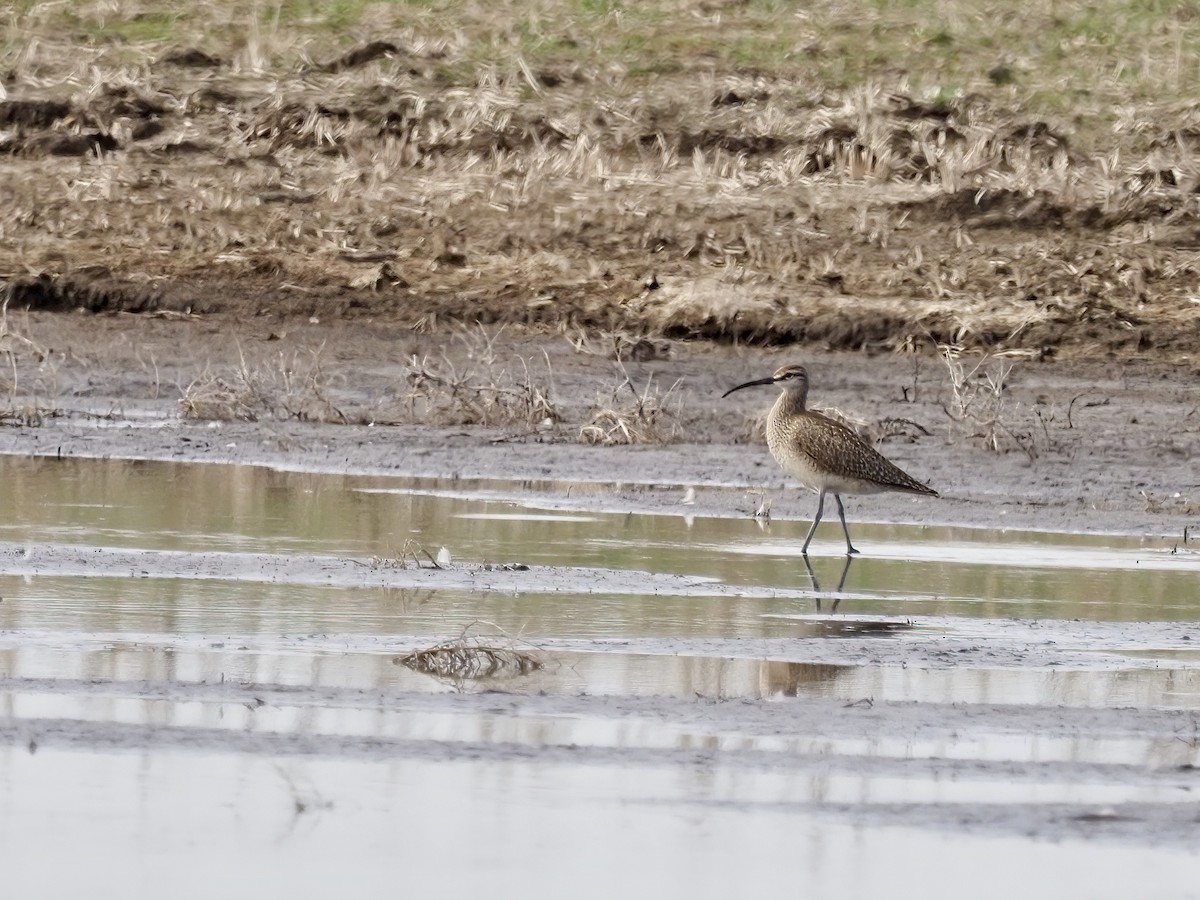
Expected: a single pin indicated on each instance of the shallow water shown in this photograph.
(224, 642)
(912, 584)
(959, 571)
(371, 826)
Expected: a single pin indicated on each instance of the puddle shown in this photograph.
(234, 633)
(499, 817)
(118, 547)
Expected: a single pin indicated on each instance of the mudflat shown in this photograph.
(524, 249)
(1085, 445)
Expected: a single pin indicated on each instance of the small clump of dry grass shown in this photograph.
(292, 386)
(630, 416)
(417, 553)
(221, 398)
(980, 408)
(20, 402)
(474, 657)
(445, 393)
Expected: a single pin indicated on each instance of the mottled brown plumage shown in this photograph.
(824, 454)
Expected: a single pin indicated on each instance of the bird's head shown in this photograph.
(792, 378)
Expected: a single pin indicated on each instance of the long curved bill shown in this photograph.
(748, 384)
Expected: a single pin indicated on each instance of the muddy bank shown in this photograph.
(1082, 446)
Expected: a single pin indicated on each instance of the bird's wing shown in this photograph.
(835, 447)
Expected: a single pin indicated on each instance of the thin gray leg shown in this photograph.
(816, 521)
(846, 531)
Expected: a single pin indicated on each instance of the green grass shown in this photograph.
(1076, 58)
(141, 28)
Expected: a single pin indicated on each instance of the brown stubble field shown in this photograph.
(881, 177)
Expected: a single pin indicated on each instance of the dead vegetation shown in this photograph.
(633, 416)
(28, 375)
(442, 393)
(475, 657)
(517, 392)
(413, 551)
(619, 346)
(473, 382)
(740, 175)
(288, 386)
(980, 407)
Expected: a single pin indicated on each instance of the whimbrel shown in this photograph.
(824, 454)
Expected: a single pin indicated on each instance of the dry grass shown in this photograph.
(839, 174)
(291, 386)
(619, 346)
(980, 409)
(482, 391)
(28, 375)
(632, 416)
(415, 551)
(475, 657)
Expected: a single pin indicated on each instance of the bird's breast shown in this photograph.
(788, 446)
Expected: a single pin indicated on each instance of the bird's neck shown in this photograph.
(791, 403)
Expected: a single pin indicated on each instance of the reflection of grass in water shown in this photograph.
(474, 657)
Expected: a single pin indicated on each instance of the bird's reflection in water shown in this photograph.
(817, 584)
